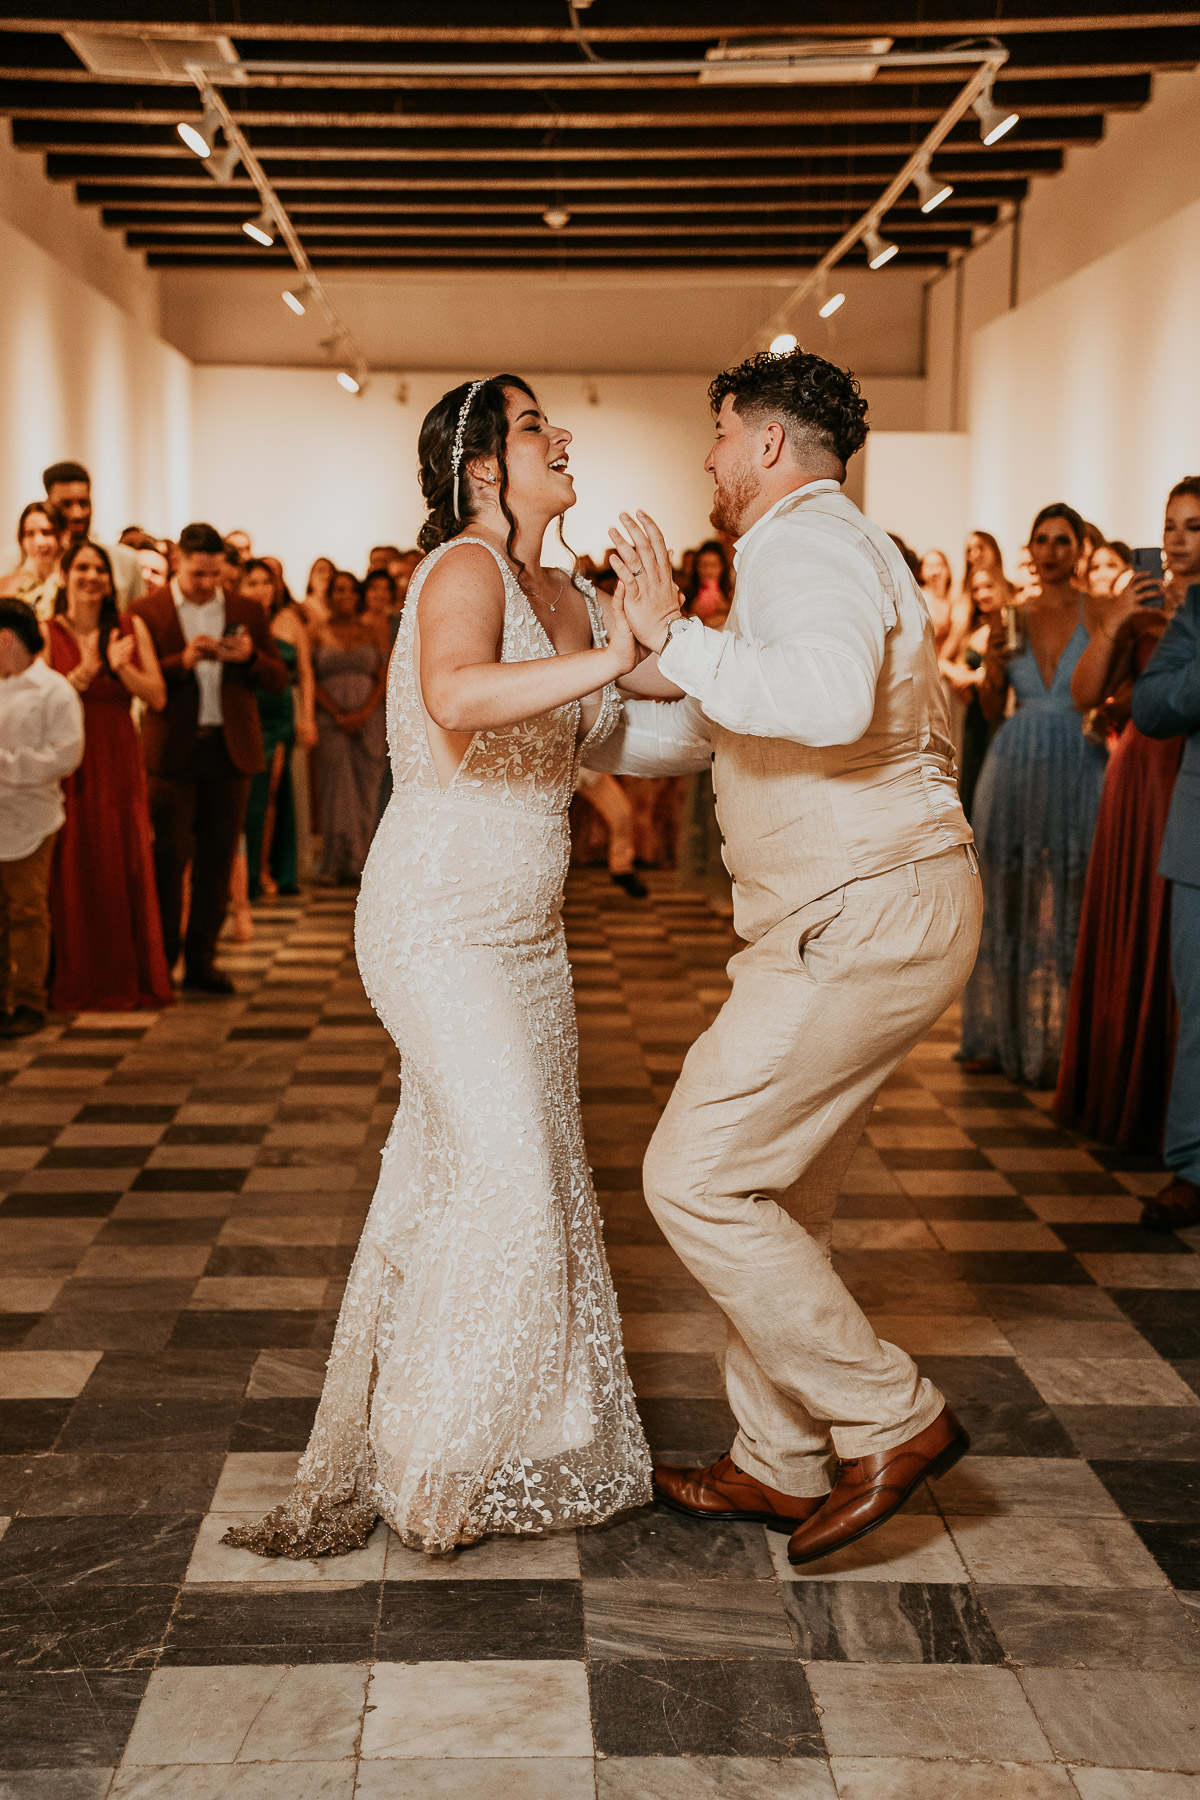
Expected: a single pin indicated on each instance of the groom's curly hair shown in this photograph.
(815, 401)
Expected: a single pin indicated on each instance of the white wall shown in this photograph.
(81, 378)
(310, 471)
(915, 484)
(1091, 392)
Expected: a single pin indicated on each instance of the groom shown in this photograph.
(856, 888)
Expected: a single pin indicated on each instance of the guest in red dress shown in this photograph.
(108, 949)
(1115, 1072)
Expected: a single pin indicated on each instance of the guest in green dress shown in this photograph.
(285, 718)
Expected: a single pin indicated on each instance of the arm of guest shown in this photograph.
(806, 662)
(1166, 696)
(58, 756)
(655, 737)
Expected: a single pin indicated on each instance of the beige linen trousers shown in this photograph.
(744, 1169)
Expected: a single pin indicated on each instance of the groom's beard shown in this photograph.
(732, 501)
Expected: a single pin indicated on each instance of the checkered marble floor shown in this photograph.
(183, 1195)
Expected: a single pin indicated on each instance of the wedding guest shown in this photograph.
(316, 593)
(381, 556)
(41, 742)
(285, 718)
(709, 592)
(1110, 563)
(1166, 704)
(982, 552)
(379, 608)
(69, 487)
(108, 948)
(608, 797)
(699, 867)
(215, 651)
(156, 570)
(402, 568)
(1034, 813)
(351, 676)
(41, 530)
(1116, 1066)
(964, 674)
(241, 542)
(1093, 537)
(1026, 582)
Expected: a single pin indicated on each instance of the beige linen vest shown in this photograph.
(798, 822)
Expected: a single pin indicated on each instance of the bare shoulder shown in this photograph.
(468, 573)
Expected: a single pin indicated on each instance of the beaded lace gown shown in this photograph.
(477, 1382)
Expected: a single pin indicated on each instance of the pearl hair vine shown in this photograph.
(456, 454)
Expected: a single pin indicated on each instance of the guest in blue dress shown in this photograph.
(1034, 813)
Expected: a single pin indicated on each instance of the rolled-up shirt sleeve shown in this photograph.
(655, 737)
(805, 660)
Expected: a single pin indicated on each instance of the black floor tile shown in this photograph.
(219, 1626)
(264, 1330)
(1019, 1137)
(703, 1429)
(1188, 1369)
(1176, 1550)
(999, 1405)
(189, 1181)
(96, 1156)
(1093, 1628)
(120, 1423)
(654, 1544)
(72, 1720)
(215, 1134)
(1167, 1318)
(140, 1482)
(108, 1550)
(1167, 1492)
(1059, 1181)
(1004, 1208)
(146, 1233)
(293, 1260)
(83, 1205)
(1120, 1240)
(889, 1622)
(944, 1161)
(1018, 1268)
(15, 1327)
(95, 1626)
(30, 1426)
(1138, 1433)
(172, 1375)
(1044, 1300)
(274, 1424)
(669, 1707)
(124, 1112)
(135, 1331)
(482, 1621)
(95, 1294)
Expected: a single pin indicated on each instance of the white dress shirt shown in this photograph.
(41, 741)
(198, 621)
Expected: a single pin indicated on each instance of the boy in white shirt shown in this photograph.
(41, 741)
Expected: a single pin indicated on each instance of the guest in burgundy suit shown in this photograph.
(215, 650)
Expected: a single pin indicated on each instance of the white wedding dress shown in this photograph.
(477, 1382)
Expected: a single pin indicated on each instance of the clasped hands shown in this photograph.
(648, 596)
(238, 647)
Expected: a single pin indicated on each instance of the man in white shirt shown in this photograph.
(69, 487)
(855, 884)
(41, 741)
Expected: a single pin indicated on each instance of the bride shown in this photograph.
(477, 1382)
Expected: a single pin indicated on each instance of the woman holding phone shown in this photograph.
(1116, 1065)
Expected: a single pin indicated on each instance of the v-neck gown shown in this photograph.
(477, 1382)
(1033, 817)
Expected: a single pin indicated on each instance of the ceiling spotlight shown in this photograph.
(994, 120)
(351, 383)
(295, 302)
(262, 229)
(930, 192)
(831, 305)
(879, 250)
(222, 163)
(781, 345)
(556, 217)
(203, 136)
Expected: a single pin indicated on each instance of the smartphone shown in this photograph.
(232, 631)
(1149, 561)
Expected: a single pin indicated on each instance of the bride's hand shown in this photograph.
(643, 563)
(622, 643)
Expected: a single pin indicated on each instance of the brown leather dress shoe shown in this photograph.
(1177, 1206)
(869, 1489)
(726, 1492)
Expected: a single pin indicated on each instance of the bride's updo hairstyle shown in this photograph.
(485, 432)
